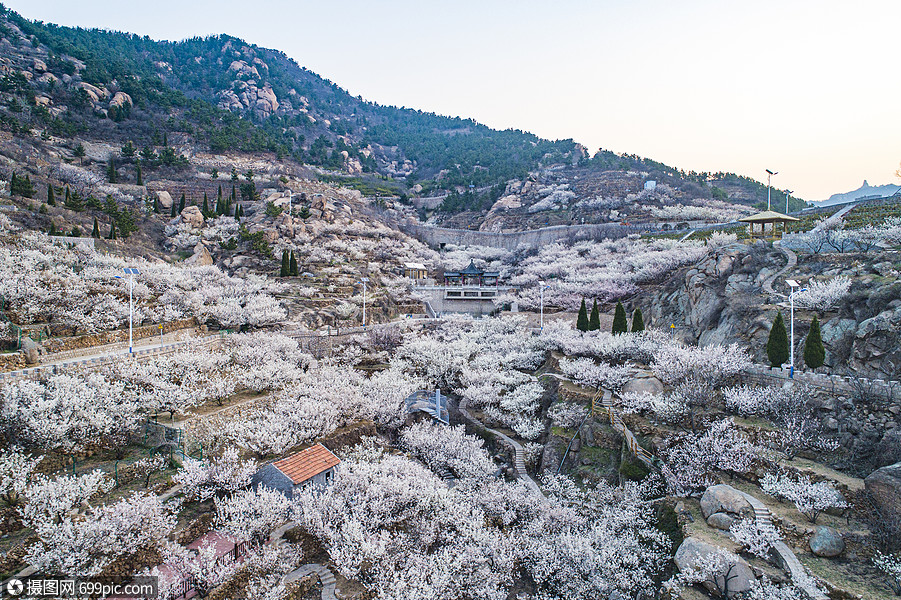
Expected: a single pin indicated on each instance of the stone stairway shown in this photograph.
(326, 577)
(446, 475)
(787, 558)
(519, 462)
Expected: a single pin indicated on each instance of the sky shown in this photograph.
(809, 89)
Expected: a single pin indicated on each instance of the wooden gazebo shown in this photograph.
(768, 216)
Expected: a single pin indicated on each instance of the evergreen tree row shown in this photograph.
(584, 322)
(289, 264)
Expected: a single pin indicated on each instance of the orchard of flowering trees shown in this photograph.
(45, 282)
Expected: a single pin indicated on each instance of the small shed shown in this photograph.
(770, 217)
(313, 466)
(415, 271)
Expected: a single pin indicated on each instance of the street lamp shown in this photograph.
(364, 280)
(131, 272)
(787, 194)
(769, 175)
(544, 286)
(792, 284)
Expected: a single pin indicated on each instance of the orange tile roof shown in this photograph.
(307, 463)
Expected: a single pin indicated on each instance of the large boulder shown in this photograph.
(725, 499)
(721, 520)
(884, 485)
(735, 576)
(193, 217)
(31, 351)
(644, 383)
(201, 257)
(827, 542)
(165, 199)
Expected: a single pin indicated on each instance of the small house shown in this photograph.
(415, 271)
(314, 466)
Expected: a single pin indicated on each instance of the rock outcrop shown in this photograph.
(735, 577)
(193, 217)
(884, 485)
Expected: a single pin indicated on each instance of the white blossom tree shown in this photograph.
(809, 498)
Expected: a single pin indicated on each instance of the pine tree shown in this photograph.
(206, 206)
(66, 202)
(582, 320)
(637, 321)
(285, 264)
(620, 324)
(51, 197)
(95, 233)
(234, 193)
(165, 139)
(52, 229)
(173, 210)
(814, 352)
(594, 321)
(111, 175)
(292, 265)
(140, 177)
(777, 344)
(181, 203)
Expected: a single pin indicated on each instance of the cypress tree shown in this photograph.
(206, 206)
(111, 174)
(238, 213)
(285, 265)
(181, 203)
(620, 324)
(234, 193)
(112, 231)
(156, 205)
(777, 344)
(637, 321)
(173, 211)
(52, 229)
(67, 196)
(292, 265)
(95, 233)
(814, 352)
(140, 177)
(582, 320)
(219, 195)
(594, 321)
(13, 184)
(51, 198)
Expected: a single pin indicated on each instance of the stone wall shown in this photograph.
(12, 362)
(55, 345)
(864, 415)
(436, 236)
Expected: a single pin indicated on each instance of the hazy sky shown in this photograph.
(809, 89)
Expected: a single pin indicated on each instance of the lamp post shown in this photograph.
(131, 272)
(792, 284)
(364, 280)
(543, 287)
(787, 194)
(769, 175)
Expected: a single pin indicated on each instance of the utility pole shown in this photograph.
(364, 280)
(131, 272)
(787, 194)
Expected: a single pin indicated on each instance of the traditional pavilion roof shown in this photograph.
(307, 463)
(767, 216)
(416, 266)
(472, 269)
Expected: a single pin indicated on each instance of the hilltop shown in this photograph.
(221, 95)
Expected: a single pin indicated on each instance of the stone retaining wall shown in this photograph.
(55, 345)
(12, 362)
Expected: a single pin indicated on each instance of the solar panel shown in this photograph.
(131, 271)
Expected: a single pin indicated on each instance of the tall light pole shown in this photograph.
(543, 287)
(769, 175)
(787, 194)
(792, 284)
(364, 280)
(131, 272)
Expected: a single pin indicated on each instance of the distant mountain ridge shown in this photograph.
(862, 192)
